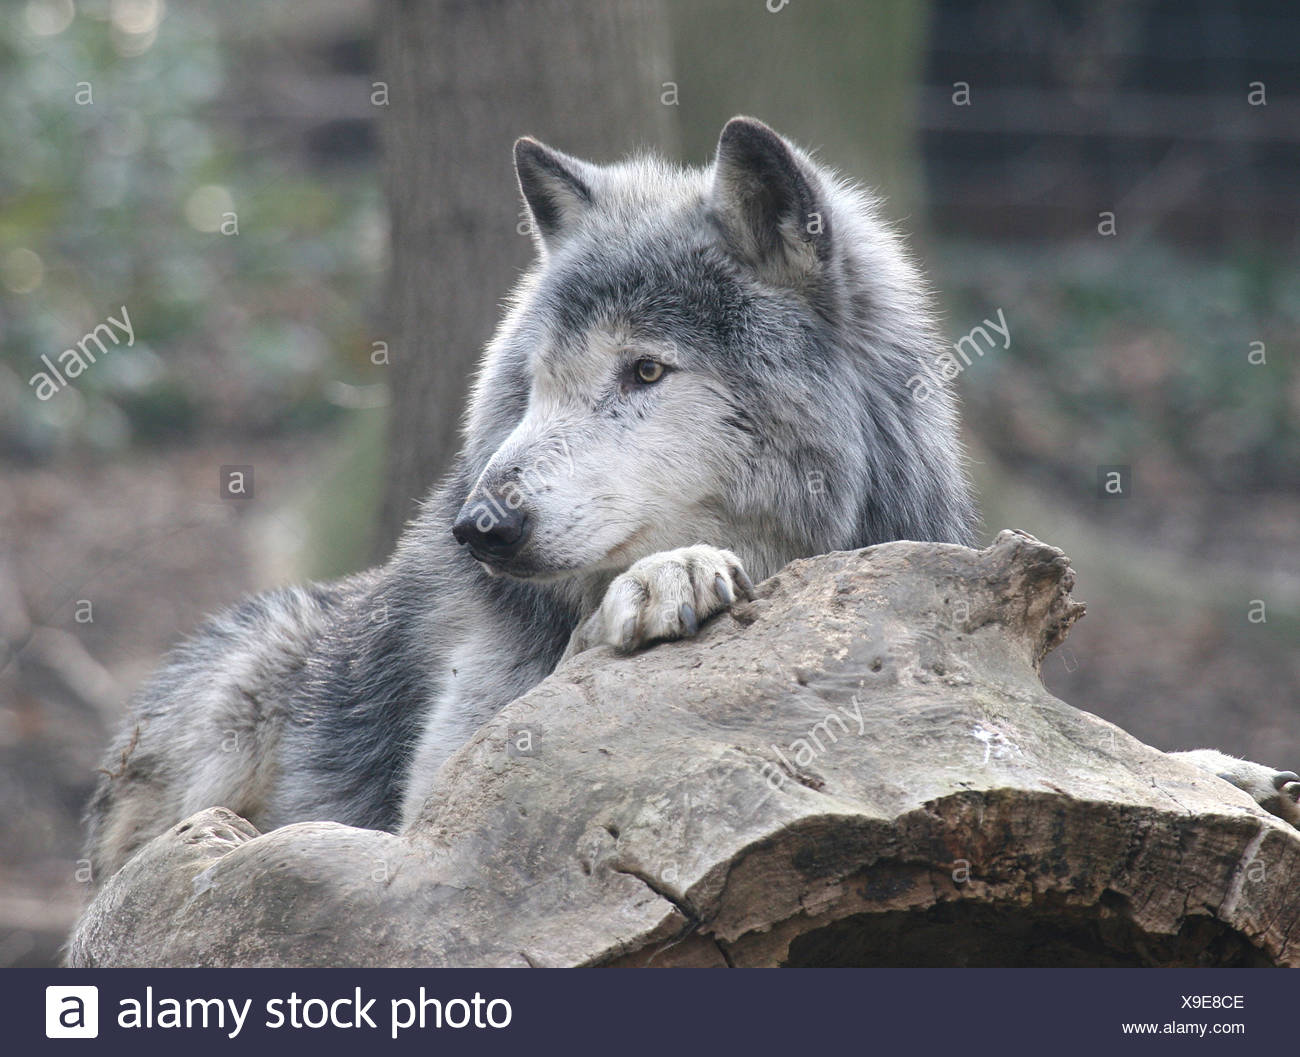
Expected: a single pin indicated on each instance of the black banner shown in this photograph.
(1009, 1011)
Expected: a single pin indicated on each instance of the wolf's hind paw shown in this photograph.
(1275, 791)
(664, 596)
(1287, 784)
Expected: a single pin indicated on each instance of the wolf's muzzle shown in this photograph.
(495, 537)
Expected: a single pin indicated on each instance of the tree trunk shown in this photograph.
(860, 767)
(465, 78)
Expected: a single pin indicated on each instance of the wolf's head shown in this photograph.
(713, 355)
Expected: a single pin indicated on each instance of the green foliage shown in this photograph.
(1123, 355)
(116, 177)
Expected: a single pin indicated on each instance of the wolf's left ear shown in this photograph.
(556, 188)
(768, 205)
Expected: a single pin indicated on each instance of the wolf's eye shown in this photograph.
(648, 371)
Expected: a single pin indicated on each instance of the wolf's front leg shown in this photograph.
(1275, 791)
(663, 596)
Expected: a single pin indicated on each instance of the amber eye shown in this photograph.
(648, 371)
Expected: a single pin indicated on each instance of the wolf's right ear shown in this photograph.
(556, 188)
(767, 203)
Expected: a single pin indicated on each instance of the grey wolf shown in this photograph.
(703, 376)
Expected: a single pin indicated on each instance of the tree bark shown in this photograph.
(465, 78)
(696, 804)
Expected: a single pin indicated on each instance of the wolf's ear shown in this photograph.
(556, 188)
(767, 204)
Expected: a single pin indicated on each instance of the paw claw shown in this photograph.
(723, 590)
(1284, 778)
(744, 582)
(627, 636)
(689, 621)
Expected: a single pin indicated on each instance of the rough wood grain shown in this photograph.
(694, 805)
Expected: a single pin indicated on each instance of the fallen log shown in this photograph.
(861, 767)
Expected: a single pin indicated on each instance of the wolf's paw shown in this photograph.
(1275, 791)
(663, 596)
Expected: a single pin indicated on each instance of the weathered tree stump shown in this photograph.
(859, 768)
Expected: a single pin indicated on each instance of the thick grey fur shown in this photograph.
(787, 318)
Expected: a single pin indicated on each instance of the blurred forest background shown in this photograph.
(309, 213)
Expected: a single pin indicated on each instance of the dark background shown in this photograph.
(365, 153)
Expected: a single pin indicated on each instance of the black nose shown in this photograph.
(491, 533)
